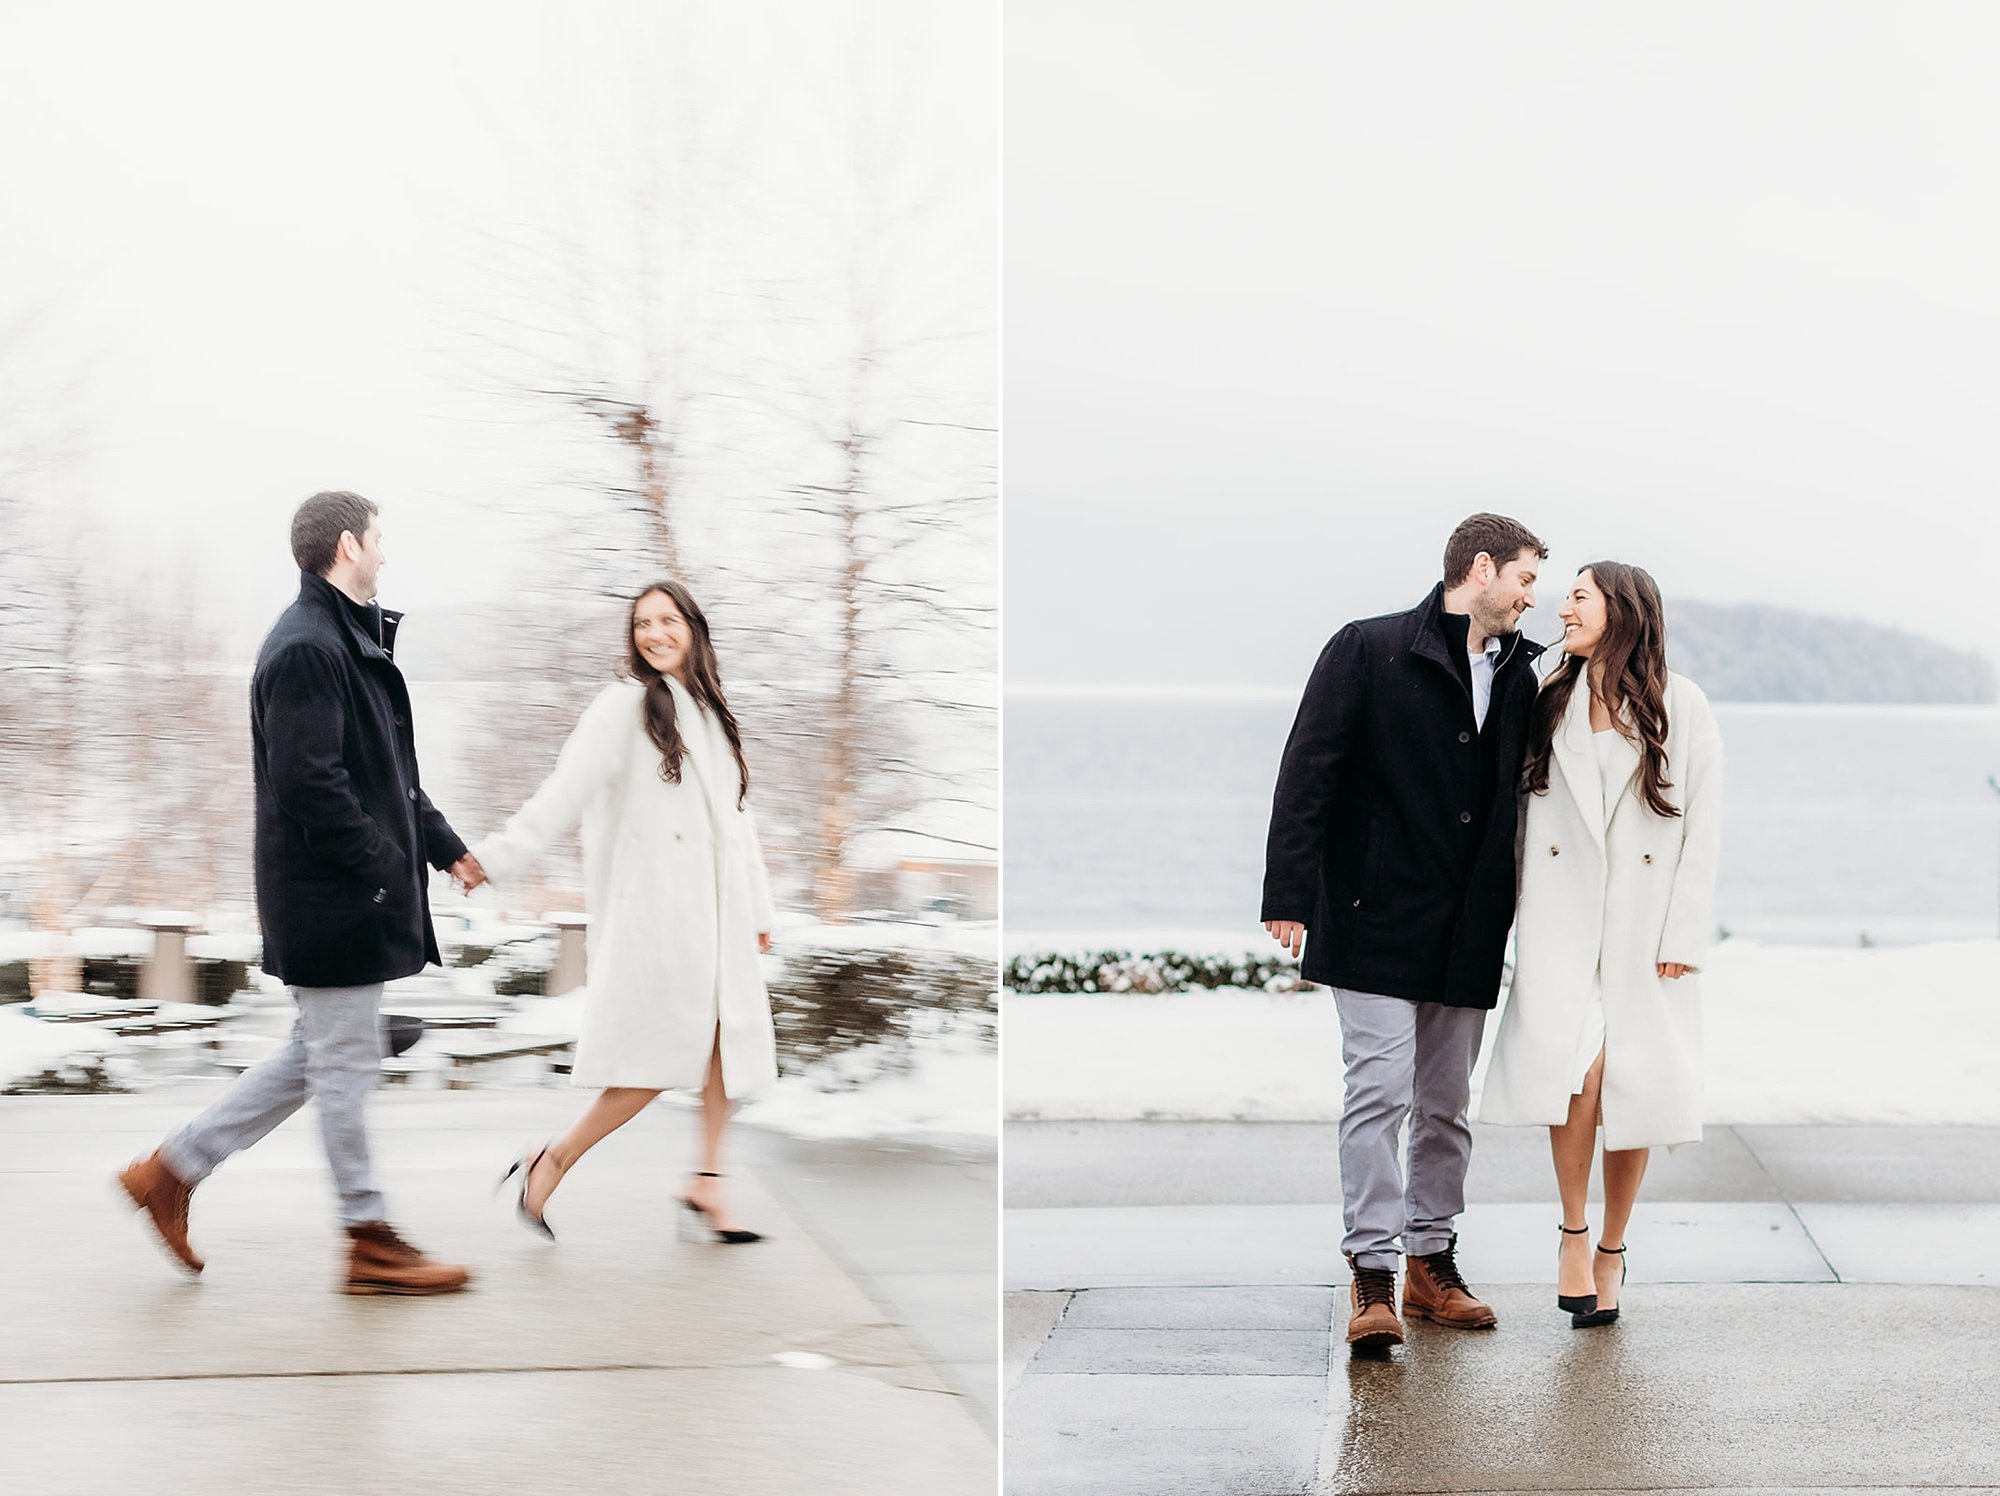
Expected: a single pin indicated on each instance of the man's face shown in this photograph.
(1509, 591)
(367, 557)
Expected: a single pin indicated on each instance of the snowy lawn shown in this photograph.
(1794, 1034)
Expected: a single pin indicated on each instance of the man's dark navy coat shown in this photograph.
(343, 827)
(1392, 828)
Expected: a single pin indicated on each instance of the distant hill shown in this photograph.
(1757, 653)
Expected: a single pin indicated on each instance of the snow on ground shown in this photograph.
(946, 1090)
(1793, 1034)
(29, 1045)
(952, 1086)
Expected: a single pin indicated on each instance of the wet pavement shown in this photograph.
(852, 1351)
(1810, 1308)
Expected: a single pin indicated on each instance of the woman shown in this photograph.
(1622, 789)
(679, 901)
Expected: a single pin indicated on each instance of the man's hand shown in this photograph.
(764, 941)
(1673, 971)
(1287, 932)
(467, 873)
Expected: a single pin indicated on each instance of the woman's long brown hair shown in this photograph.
(1627, 670)
(704, 684)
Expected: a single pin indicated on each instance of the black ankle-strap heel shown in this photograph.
(1575, 1303)
(703, 1226)
(1597, 1316)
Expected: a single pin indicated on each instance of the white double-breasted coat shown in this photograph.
(676, 890)
(1608, 894)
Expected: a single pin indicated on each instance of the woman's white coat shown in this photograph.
(1616, 894)
(677, 894)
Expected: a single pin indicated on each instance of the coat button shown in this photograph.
(1465, 737)
(1357, 903)
(1555, 851)
(1647, 859)
(413, 792)
(1465, 818)
(381, 895)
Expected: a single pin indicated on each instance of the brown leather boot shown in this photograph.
(382, 1262)
(1372, 1326)
(158, 1191)
(1433, 1290)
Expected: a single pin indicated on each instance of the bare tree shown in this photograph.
(913, 443)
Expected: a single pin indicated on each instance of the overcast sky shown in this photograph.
(1292, 288)
(279, 247)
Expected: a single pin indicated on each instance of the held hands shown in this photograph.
(467, 873)
(1287, 932)
(1673, 971)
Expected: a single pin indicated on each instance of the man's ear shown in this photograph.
(348, 548)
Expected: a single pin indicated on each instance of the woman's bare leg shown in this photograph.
(1572, 1146)
(613, 1108)
(1623, 1169)
(715, 1110)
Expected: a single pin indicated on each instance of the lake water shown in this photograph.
(1843, 822)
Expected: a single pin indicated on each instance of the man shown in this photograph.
(1392, 841)
(343, 832)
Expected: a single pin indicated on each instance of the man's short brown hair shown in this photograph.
(320, 522)
(1494, 534)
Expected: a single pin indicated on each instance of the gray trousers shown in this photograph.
(334, 1056)
(1414, 1060)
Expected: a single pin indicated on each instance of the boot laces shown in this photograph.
(1443, 1268)
(382, 1233)
(1375, 1285)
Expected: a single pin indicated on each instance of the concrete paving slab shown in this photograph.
(1055, 1164)
(619, 1295)
(1908, 1243)
(1205, 1308)
(1880, 1165)
(1163, 1435)
(1247, 1245)
(1026, 1320)
(1790, 1387)
(1155, 1352)
(958, 1324)
(770, 1431)
(1188, 1246)
(1793, 1382)
(619, 1289)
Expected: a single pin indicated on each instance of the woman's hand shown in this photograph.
(764, 942)
(1673, 971)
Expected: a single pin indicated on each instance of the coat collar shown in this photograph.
(371, 626)
(1442, 635)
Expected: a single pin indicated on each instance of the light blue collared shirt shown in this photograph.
(1483, 667)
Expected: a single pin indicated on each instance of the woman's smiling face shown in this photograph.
(661, 635)
(1583, 616)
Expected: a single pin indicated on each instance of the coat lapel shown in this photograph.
(696, 735)
(1576, 757)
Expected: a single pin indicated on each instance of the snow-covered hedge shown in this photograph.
(1158, 971)
(829, 1000)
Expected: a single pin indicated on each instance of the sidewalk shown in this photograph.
(1810, 1308)
(832, 1357)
